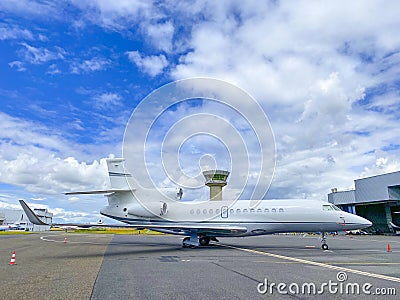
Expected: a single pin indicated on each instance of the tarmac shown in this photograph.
(102, 266)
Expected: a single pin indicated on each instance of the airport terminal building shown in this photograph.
(376, 198)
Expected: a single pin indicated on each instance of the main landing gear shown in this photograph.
(324, 245)
(195, 241)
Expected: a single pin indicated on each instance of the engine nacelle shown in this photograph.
(152, 209)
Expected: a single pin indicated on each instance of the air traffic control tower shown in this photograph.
(216, 180)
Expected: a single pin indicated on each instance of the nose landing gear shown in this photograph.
(324, 245)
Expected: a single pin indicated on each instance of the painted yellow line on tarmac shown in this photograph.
(314, 263)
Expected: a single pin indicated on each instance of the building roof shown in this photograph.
(384, 187)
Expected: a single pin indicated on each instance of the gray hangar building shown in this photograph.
(376, 198)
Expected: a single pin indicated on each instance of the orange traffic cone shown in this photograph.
(12, 261)
(389, 248)
(65, 240)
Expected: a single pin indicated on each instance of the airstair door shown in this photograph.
(224, 211)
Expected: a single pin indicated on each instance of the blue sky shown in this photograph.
(72, 72)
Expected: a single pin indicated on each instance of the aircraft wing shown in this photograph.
(186, 228)
(173, 227)
(98, 192)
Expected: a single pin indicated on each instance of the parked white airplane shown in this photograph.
(205, 221)
(5, 227)
(12, 226)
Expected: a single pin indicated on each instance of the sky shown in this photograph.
(72, 73)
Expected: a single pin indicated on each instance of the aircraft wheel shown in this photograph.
(324, 247)
(184, 245)
(204, 241)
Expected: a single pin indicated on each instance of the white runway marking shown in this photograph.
(310, 262)
(60, 239)
(47, 239)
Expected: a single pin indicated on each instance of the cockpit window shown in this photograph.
(330, 207)
(327, 207)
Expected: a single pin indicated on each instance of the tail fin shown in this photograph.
(31, 215)
(118, 179)
(117, 174)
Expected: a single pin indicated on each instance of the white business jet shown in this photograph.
(5, 227)
(13, 226)
(205, 221)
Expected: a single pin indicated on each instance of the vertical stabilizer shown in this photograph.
(117, 174)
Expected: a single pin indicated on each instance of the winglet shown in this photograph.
(31, 215)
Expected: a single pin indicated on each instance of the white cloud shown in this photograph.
(310, 66)
(53, 69)
(384, 163)
(152, 65)
(91, 65)
(19, 65)
(13, 32)
(107, 100)
(161, 35)
(41, 55)
(41, 9)
(31, 156)
(115, 15)
(51, 175)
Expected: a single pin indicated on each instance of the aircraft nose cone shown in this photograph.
(364, 222)
(367, 223)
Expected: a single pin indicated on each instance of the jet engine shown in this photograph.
(151, 209)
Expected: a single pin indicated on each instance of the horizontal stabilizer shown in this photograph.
(98, 192)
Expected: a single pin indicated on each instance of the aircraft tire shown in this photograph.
(184, 245)
(204, 241)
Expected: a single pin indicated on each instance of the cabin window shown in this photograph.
(198, 211)
(281, 210)
(217, 211)
(192, 211)
(232, 210)
(205, 211)
(273, 210)
(238, 211)
(266, 210)
(210, 211)
(259, 210)
(245, 210)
